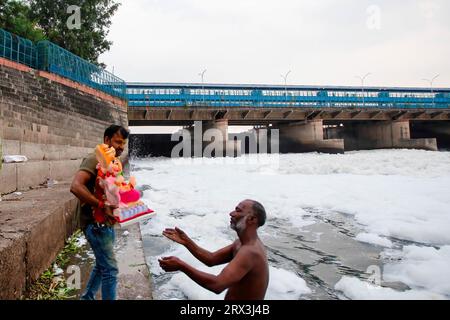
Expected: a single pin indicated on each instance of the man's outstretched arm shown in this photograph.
(210, 259)
(231, 274)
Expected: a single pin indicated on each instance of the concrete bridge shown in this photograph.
(309, 118)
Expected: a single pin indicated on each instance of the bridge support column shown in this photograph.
(211, 139)
(261, 140)
(307, 137)
(382, 135)
(432, 129)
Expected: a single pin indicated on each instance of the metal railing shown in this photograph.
(55, 59)
(17, 49)
(47, 56)
(266, 96)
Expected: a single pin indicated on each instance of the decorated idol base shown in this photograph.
(130, 215)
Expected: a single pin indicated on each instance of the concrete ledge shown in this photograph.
(64, 169)
(45, 240)
(424, 144)
(12, 263)
(10, 147)
(8, 178)
(33, 151)
(22, 176)
(30, 174)
(66, 152)
(12, 133)
(39, 151)
(33, 228)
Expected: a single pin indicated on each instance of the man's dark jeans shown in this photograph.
(101, 239)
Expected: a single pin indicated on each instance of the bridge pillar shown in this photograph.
(307, 137)
(210, 139)
(432, 129)
(382, 135)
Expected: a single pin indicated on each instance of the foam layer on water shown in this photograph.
(393, 195)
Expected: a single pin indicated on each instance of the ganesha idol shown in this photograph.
(117, 191)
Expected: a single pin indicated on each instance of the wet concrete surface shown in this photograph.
(134, 280)
(33, 227)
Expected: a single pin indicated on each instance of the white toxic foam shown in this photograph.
(374, 239)
(357, 289)
(391, 194)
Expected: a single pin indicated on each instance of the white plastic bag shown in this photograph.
(14, 158)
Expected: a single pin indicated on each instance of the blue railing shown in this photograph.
(17, 49)
(57, 60)
(47, 56)
(197, 95)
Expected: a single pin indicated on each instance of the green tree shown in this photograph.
(15, 18)
(88, 42)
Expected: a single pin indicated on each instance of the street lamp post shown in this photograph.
(430, 81)
(202, 74)
(362, 85)
(285, 83)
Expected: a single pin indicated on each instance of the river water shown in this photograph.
(367, 224)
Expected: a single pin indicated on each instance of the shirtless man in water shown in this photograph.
(247, 274)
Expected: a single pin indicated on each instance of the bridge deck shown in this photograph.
(247, 104)
(249, 116)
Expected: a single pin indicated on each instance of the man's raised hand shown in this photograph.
(170, 264)
(176, 235)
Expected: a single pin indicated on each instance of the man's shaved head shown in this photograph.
(259, 211)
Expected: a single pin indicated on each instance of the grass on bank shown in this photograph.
(50, 286)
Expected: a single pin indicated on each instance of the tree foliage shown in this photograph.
(47, 19)
(87, 42)
(15, 18)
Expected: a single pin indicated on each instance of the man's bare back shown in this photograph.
(254, 284)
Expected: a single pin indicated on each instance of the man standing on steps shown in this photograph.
(247, 274)
(99, 232)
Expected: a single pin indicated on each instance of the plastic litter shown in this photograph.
(14, 158)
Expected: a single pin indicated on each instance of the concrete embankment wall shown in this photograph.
(55, 122)
(33, 228)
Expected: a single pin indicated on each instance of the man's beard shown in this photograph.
(240, 225)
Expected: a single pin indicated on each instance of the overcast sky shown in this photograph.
(323, 42)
